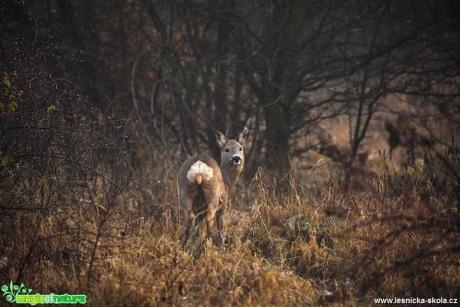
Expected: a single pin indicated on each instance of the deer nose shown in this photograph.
(236, 160)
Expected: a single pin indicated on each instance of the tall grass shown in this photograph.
(292, 249)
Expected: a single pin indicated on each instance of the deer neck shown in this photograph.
(230, 176)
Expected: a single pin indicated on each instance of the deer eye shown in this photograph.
(227, 149)
(241, 148)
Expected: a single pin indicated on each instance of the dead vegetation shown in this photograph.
(293, 249)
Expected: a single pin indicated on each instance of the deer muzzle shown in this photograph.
(236, 160)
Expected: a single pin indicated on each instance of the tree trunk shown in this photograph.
(277, 136)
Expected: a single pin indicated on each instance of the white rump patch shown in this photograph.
(199, 168)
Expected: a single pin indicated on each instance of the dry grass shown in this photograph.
(283, 250)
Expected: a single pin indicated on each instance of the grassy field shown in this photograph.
(309, 246)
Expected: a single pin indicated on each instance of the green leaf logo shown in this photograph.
(10, 292)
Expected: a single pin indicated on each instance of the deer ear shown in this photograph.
(242, 137)
(220, 139)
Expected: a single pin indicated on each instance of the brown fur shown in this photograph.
(208, 198)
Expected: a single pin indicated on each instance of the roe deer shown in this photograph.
(204, 186)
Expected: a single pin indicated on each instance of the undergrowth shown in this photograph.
(283, 250)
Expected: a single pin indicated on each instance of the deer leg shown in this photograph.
(209, 223)
(188, 219)
(185, 203)
(196, 231)
(220, 226)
